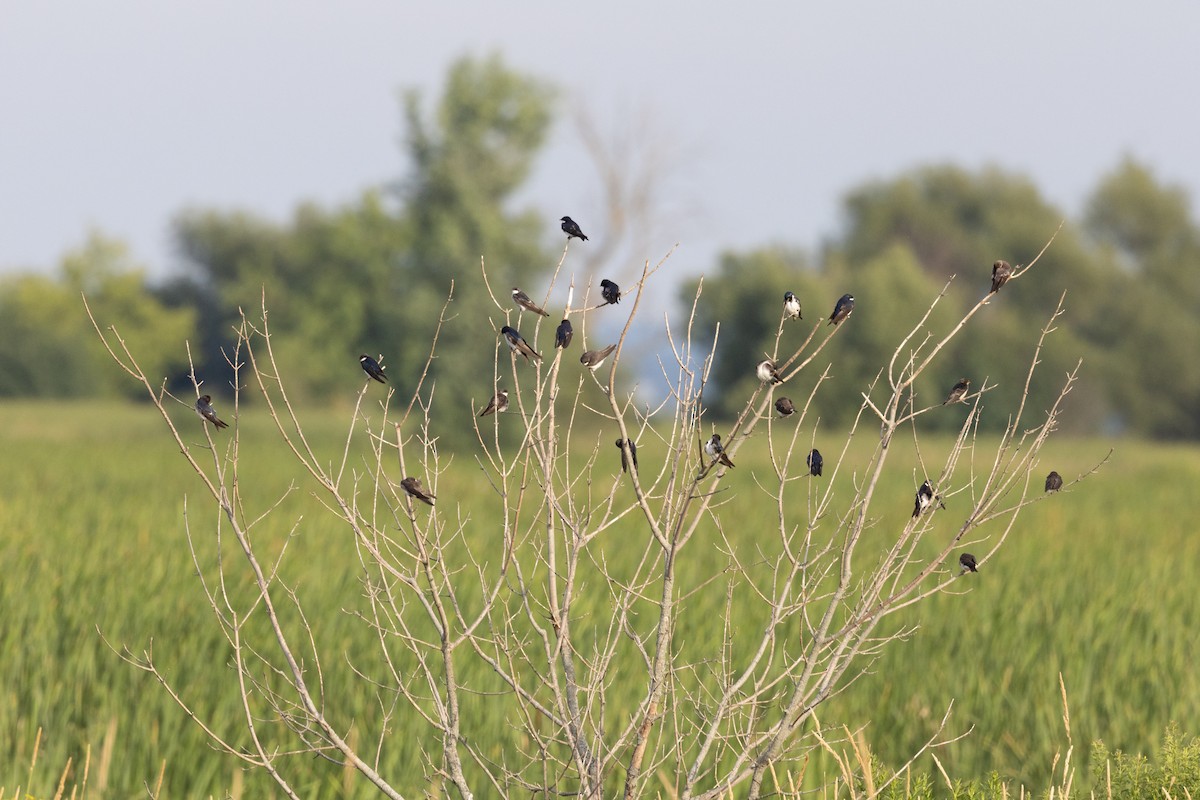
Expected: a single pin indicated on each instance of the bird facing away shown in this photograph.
(610, 291)
(571, 229)
(204, 409)
(524, 302)
(716, 450)
(791, 306)
(632, 453)
(925, 498)
(413, 487)
(767, 373)
(785, 407)
(845, 305)
(968, 563)
(562, 336)
(517, 343)
(372, 368)
(592, 359)
(959, 392)
(1001, 272)
(1053, 482)
(498, 404)
(815, 463)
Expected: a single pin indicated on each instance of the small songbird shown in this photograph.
(925, 498)
(517, 342)
(1053, 482)
(791, 306)
(958, 392)
(571, 229)
(1001, 272)
(785, 407)
(562, 336)
(767, 373)
(815, 463)
(498, 404)
(632, 453)
(716, 450)
(524, 302)
(592, 359)
(968, 563)
(610, 291)
(204, 409)
(372, 368)
(845, 305)
(413, 487)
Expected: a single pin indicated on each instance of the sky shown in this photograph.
(118, 115)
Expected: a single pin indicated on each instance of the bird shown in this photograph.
(815, 463)
(372, 368)
(413, 487)
(562, 336)
(592, 359)
(204, 409)
(791, 306)
(1001, 272)
(925, 498)
(785, 407)
(610, 291)
(524, 302)
(517, 342)
(571, 229)
(968, 563)
(498, 404)
(716, 450)
(959, 391)
(632, 453)
(767, 373)
(845, 305)
(1053, 482)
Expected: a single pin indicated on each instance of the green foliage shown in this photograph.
(1122, 776)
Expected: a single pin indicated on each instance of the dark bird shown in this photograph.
(716, 450)
(785, 407)
(562, 336)
(1001, 272)
(524, 302)
(517, 342)
(592, 359)
(791, 306)
(610, 291)
(767, 373)
(968, 563)
(372, 368)
(204, 408)
(632, 453)
(1053, 482)
(815, 463)
(571, 229)
(845, 305)
(958, 392)
(925, 498)
(498, 404)
(413, 487)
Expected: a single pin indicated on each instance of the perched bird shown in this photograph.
(1001, 272)
(562, 336)
(372, 368)
(785, 407)
(204, 408)
(845, 305)
(413, 487)
(968, 563)
(610, 291)
(815, 463)
(498, 404)
(716, 450)
(791, 306)
(958, 392)
(571, 229)
(632, 453)
(767, 373)
(1053, 482)
(524, 302)
(925, 498)
(517, 342)
(592, 359)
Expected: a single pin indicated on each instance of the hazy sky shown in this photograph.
(116, 115)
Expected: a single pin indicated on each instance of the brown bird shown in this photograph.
(716, 450)
(959, 391)
(517, 342)
(204, 409)
(1001, 272)
(524, 302)
(413, 487)
(498, 403)
(1053, 482)
(593, 359)
(785, 407)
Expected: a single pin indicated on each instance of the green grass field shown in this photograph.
(1098, 585)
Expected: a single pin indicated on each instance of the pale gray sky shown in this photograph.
(119, 114)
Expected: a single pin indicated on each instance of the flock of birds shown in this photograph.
(766, 371)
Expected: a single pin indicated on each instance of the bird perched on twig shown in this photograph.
(524, 302)
(563, 334)
(592, 359)
(1053, 482)
(517, 343)
(791, 306)
(1001, 272)
(716, 450)
(842, 309)
(958, 392)
(372, 368)
(204, 409)
(968, 563)
(926, 498)
(498, 404)
(610, 291)
(767, 373)
(785, 407)
(413, 487)
(571, 229)
(815, 462)
(632, 454)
